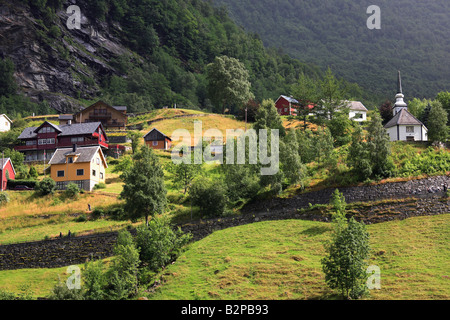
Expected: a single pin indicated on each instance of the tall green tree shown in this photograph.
(370, 155)
(228, 83)
(306, 92)
(267, 117)
(144, 191)
(437, 123)
(444, 98)
(332, 94)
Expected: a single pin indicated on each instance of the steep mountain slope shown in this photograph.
(413, 37)
(142, 53)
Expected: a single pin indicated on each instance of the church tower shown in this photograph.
(399, 102)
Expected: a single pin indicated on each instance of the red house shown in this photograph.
(155, 139)
(6, 172)
(39, 143)
(288, 106)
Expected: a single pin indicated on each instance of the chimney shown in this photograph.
(75, 147)
(69, 122)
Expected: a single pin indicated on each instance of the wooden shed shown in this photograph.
(155, 139)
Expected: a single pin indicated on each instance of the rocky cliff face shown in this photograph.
(58, 65)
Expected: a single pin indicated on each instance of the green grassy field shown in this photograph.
(281, 260)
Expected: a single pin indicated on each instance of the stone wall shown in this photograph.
(418, 197)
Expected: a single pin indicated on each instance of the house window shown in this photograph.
(47, 130)
(98, 161)
(60, 173)
(94, 173)
(410, 129)
(61, 185)
(78, 139)
(31, 143)
(155, 143)
(101, 175)
(80, 172)
(70, 160)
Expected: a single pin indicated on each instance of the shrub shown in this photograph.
(62, 292)
(100, 185)
(209, 196)
(345, 265)
(98, 213)
(72, 191)
(46, 186)
(4, 198)
(159, 244)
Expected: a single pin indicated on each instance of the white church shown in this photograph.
(404, 126)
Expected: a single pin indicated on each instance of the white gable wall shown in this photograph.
(5, 125)
(353, 113)
(399, 132)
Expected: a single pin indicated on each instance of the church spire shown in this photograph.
(399, 83)
(400, 104)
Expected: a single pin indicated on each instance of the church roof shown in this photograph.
(404, 117)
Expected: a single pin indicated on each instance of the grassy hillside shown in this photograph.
(281, 260)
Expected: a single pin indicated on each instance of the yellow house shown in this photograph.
(84, 166)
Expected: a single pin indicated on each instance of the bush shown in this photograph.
(209, 196)
(345, 265)
(159, 244)
(46, 186)
(72, 191)
(100, 185)
(62, 292)
(4, 198)
(98, 213)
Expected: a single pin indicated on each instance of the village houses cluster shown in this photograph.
(76, 149)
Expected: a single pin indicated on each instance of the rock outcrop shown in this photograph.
(61, 67)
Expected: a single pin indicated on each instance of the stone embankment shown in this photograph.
(397, 200)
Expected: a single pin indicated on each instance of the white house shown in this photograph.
(5, 123)
(358, 112)
(404, 126)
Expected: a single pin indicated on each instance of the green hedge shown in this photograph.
(29, 183)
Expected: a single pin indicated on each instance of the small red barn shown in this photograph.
(288, 106)
(6, 172)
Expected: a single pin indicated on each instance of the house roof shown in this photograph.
(404, 117)
(356, 106)
(120, 108)
(159, 132)
(85, 154)
(64, 130)
(65, 117)
(49, 123)
(289, 99)
(5, 162)
(6, 117)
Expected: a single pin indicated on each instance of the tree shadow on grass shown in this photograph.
(315, 231)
